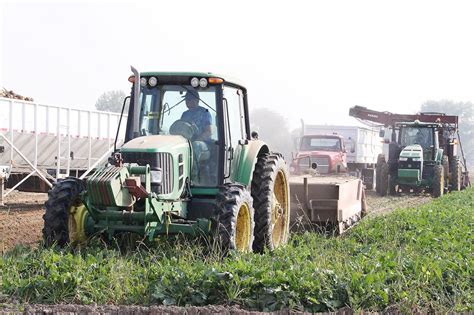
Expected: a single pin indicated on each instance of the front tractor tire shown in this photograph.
(271, 195)
(65, 215)
(235, 218)
(438, 181)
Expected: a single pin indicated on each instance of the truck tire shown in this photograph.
(438, 181)
(65, 215)
(456, 175)
(383, 184)
(392, 188)
(378, 171)
(235, 218)
(271, 195)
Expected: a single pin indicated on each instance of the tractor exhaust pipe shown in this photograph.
(136, 103)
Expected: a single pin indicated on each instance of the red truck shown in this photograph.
(326, 153)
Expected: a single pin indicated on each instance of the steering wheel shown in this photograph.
(184, 128)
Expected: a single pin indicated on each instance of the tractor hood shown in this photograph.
(412, 151)
(156, 143)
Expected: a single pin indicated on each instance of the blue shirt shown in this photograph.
(199, 116)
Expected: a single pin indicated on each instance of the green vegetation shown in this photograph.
(412, 259)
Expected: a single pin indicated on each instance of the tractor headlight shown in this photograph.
(416, 159)
(203, 82)
(156, 176)
(143, 81)
(152, 81)
(194, 82)
(403, 159)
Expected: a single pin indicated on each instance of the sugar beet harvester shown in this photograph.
(188, 166)
(422, 152)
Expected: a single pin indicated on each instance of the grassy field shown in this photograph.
(411, 259)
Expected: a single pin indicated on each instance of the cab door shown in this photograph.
(235, 127)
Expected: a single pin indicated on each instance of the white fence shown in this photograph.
(53, 142)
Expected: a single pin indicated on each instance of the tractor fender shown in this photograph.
(245, 159)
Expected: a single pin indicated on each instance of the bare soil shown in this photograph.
(21, 219)
(154, 309)
(380, 205)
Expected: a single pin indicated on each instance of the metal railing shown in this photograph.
(45, 137)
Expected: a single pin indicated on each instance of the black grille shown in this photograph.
(409, 164)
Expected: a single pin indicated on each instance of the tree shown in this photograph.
(273, 129)
(465, 111)
(110, 101)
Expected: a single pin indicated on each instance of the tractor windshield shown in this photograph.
(182, 110)
(320, 144)
(416, 135)
(178, 109)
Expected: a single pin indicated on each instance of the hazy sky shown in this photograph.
(310, 59)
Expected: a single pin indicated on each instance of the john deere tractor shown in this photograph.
(188, 165)
(417, 162)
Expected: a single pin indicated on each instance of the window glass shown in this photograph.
(185, 111)
(323, 144)
(421, 136)
(236, 115)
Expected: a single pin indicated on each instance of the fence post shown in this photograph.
(2, 182)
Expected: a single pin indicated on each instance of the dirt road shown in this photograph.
(381, 205)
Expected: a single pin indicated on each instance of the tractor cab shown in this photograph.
(425, 135)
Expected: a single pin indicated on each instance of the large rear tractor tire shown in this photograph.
(65, 216)
(384, 184)
(456, 175)
(271, 195)
(235, 218)
(438, 181)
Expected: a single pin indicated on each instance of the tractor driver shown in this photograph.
(197, 115)
(203, 173)
(420, 138)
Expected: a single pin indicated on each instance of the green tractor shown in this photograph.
(188, 165)
(418, 162)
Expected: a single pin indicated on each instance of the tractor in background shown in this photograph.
(188, 165)
(422, 152)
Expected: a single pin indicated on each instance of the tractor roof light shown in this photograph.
(143, 81)
(215, 80)
(194, 82)
(203, 82)
(153, 81)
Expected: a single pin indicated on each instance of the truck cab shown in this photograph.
(326, 153)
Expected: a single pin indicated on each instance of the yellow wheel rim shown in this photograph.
(243, 231)
(76, 224)
(280, 210)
